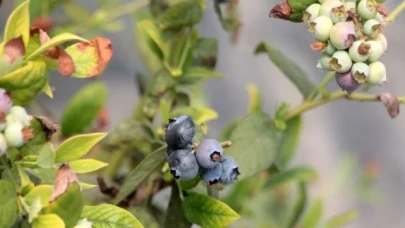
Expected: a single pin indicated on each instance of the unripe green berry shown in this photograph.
(378, 74)
(311, 13)
(376, 50)
(323, 62)
(3, 144)
(321, 28)
(383, 40)
(321, 1)
(380, 18)
(339, 14)
(350, 5)
(372, 28)
(329, 50)
(360, 72)
(342, 35)
(20, 114)
(359, 51)
(327, 6)
(367, 9)
(14, 135)
(341, 62)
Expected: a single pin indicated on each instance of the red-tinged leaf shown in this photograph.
(43, 23)
(66, 65)
(90, 58)
(14, 49)
(64, 177)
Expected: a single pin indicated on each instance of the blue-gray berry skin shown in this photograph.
(170, 151)
(183, 164)
(211, 176)
(179, 132)
(208, 153)
(230, 170)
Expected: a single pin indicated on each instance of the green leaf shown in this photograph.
(205, 52)
(150, 45)
(46, 158)
(178, 48)
(140, 173)
(42, 191)
(201, 72)
(164, 109)
(253, 144)
(83, 108)
(299, 174)
(90, 58)
(289, 141)
(18, 23)
(69, 205)
(48, 221)
(299, 206)
(180, 15)
(207, 212)
(107, 215)
(24, 77)
(8, 202)
(313, 215)
(255, 98)
(290, 69)
(24, 96)
(26, 184)
(77, 146)
(341, 219)
(34, 209)
(75, 12)
(86, 165)
(174, 216)
(199, 114)
(46, 175)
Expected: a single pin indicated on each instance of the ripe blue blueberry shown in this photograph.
(180, 132)
(230, 170)
(211, 176)
(183, 164)
(208, 153)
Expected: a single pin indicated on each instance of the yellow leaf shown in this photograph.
(48, 90)
(86, 165)
(48, 220)
(18, 23)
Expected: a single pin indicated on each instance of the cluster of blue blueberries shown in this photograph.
(207, 160)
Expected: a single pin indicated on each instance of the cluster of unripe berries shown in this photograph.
(13, 121)
(350, 39)
(206, 159)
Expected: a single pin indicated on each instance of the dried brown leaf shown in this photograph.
(50, 127)
(391, 103)
(64, 177)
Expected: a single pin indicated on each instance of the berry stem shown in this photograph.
(320, 88)
(395, 13)
(212, 191)
(308, 105)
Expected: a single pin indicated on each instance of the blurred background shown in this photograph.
(337, 134)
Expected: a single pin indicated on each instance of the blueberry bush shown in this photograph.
(70, 172)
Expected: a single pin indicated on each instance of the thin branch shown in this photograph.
(307, 105)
